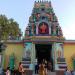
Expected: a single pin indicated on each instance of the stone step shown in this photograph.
(51, 73)
(26, 59)
(61, 62)
(25, 66)
(25, 62)
(62, 66)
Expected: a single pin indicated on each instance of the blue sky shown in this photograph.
(20, 10)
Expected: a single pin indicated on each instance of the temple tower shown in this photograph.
(43, 36)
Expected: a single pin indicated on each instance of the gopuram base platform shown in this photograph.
(30, 72)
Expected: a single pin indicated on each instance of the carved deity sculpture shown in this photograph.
(43, 28)
(53, 28)
(32, 28)
(60, 32)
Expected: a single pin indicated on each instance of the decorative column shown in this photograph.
(54, 52)
(54, 29)
(33, 53)
(28, 50)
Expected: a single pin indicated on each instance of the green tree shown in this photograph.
(8, 26)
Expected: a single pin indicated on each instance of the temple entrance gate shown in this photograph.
(43, 51)
(43, 37)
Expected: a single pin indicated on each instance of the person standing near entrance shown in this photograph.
(49, 66)
(21, 69)
(8, 72)
(42, 69)
(36, 67)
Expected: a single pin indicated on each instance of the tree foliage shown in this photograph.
(7, 27)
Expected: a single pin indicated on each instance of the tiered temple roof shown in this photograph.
(43, 21)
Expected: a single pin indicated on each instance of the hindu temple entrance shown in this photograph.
(43, 51)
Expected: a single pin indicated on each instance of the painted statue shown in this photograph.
(43, 28)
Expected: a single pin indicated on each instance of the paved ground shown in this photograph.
(49, 73)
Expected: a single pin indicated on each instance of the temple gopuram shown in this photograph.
(43, 36)
(43, 40)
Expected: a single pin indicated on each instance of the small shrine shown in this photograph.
(43, 36)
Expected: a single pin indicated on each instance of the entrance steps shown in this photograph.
(49, 73)
(61, 64)
(26, 62)
(54, 73)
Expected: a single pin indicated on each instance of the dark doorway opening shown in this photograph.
(44, 51)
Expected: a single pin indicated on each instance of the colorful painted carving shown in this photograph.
(47, 5)
(37, 5)
(43, 28)
(45, 21)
